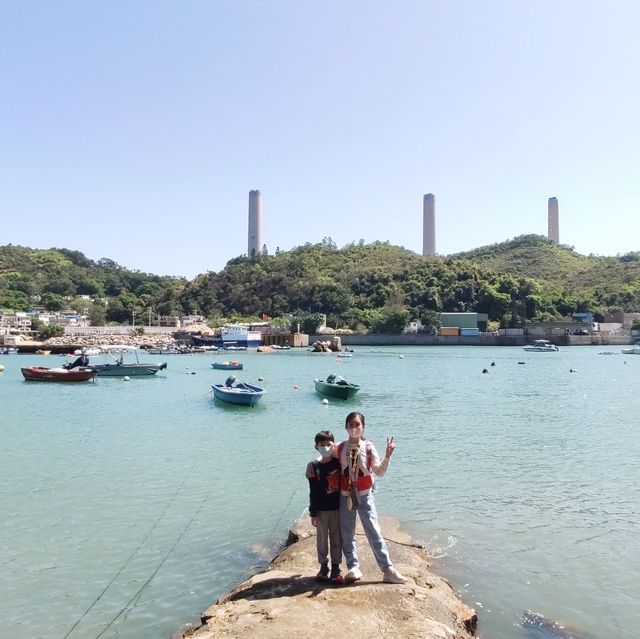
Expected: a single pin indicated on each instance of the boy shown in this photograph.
(324, 504)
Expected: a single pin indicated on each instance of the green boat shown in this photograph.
(336, 386)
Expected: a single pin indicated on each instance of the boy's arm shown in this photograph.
(314, 492)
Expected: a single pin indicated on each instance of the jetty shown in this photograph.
(285, 600)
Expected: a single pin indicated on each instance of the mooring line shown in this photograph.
(131, 556)
(155, 572)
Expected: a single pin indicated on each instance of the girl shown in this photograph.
(359, 461)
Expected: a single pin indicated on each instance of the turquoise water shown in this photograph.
(129, 507)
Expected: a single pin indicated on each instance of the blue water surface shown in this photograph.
(129, 507)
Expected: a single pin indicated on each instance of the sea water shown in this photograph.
(129, 507)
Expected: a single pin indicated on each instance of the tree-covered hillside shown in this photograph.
(52, 276)
(376, 286)
(609, 282)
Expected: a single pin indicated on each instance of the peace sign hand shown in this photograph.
(390, 447)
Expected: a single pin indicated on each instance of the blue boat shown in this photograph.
(234, 392)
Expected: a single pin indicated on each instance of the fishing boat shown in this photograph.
(118, 367)
(227, 366)
(634, 350)
(541, 346)
(336, 386)
(8, 350)
(42, 374)
(234, 392)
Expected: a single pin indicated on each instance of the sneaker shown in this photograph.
(392, 576)
(323, 573)
(335, 576)
(354, 574)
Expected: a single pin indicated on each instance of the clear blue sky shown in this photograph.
(135, 130)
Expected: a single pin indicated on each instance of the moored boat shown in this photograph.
(541, 346)
(234, 392)
(227, 366)
(118, 367)
(43, 374)
(634, 350)
(336, 386)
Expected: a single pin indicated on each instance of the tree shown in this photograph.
(51, 330)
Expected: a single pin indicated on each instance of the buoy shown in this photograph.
(484, 370)
(401, 357)
(325, 401)
(1, 368)
(296, 387)
(493, 363)
(520, 362)
(193, 372)
(125, 378)
(261, 379)
(573, 370)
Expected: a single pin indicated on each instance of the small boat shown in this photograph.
(227, 366)
(234, 392)
(336, 386)
(43, 352)
(8, 350)
(343, 354)
(278, 347)
(634, 350)
(234, 348)
(118, 368)
(42, 374)
(541, 346)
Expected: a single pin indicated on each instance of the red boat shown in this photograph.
(42, 374)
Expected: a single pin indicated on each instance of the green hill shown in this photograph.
(611, 282)
(377, 286)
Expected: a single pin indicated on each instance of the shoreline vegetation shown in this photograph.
(375, 287)
(285, 600)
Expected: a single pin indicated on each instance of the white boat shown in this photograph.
(634, 350)
(541, 346)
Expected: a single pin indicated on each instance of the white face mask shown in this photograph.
(325, 451)
(354, 431)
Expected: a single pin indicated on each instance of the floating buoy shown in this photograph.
(261, 379)
(573, 370)
(1, 368)
(325, 401)
(484, 370)
(193, 372)
(296, 387)
(125, 378)
(493, 363)
(520, 362)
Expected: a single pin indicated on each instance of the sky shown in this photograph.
(135, 130)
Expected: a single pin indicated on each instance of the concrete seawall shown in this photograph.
(285, 600)
(421, 339)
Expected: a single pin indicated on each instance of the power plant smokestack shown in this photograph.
(554, 227)
(429, 225)
(254, 246)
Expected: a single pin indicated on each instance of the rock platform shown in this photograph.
(285, 600)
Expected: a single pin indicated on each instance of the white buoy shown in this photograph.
(325, 401)
(261, 379)
(401, 357)
(126, 378)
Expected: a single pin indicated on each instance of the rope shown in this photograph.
(295, 490)
(408, 544)
(136, 595)
(131, 556)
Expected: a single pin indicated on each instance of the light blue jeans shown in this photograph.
(369, 517)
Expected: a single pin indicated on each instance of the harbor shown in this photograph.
(520, 484)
